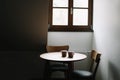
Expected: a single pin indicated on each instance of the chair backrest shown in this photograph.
(57, 48)
(95, 60)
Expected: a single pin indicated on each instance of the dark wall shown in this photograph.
(23, 37)
(23, 24)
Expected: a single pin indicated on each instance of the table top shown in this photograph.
(57, 56)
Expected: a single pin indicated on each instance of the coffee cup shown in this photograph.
(64, 53)
(70, 54)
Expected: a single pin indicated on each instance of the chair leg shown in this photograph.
(48, 75)
(66, 75)
(47, 71)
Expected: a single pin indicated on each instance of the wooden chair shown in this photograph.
(91, 73)
(57, 66)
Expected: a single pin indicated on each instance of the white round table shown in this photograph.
(57, 56)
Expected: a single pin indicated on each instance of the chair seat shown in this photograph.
(87, 75)
(58, 67)
(81, 74)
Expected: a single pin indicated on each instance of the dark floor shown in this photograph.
(51, 79)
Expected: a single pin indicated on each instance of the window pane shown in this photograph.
(60, 3)
(80, 16)
(60, 16)
(80, 3)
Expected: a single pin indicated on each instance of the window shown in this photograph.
(70, 15)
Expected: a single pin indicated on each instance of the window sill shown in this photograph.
(70, 30)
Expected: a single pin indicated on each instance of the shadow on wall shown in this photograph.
(114, 73)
